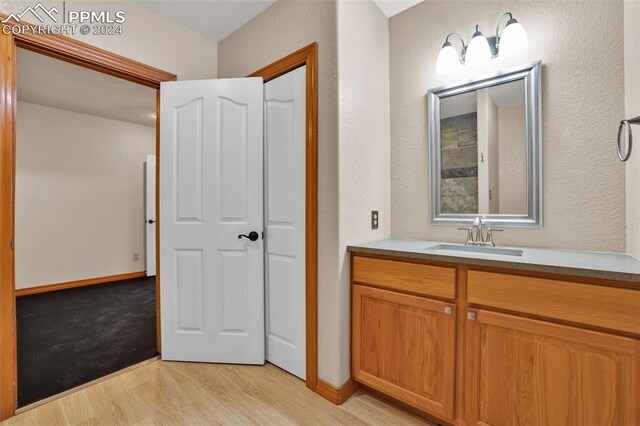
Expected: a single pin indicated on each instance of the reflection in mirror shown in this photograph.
(483, 151)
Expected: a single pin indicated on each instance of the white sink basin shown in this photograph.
(475, 249)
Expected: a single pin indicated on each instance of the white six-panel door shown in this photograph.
(211, 191)
(285, 111)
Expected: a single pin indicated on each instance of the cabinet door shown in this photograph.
(527, 372)
(404, 346)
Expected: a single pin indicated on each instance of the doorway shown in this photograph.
(68, 50)
(94, 58)
(212, 195)
(84, 308)
(307, 57)
(232, 190)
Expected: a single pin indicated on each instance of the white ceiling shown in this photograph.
(217, 19)
(214, 19)
(50, 82)
(464, 103)
(54, 83)
(503, 95)
(508, 94)
(393, 7)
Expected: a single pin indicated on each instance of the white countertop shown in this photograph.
(613, 266)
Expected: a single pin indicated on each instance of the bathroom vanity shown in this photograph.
(540, 337)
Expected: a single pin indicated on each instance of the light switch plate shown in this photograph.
(374, 219)
(136, 256)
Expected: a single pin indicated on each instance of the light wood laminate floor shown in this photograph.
(207, 394)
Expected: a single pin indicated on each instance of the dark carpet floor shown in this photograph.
(70, 337)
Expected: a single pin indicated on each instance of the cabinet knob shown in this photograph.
(448, 310)
(471, 316)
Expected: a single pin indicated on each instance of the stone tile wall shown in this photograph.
(459, 159)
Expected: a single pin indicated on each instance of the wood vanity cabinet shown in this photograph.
(478, 347)
(543, 371)
(404, 347)
(404, 344)
(528, 372)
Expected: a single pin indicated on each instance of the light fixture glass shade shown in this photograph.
(513, 40)
(478, 52)
(448, 60)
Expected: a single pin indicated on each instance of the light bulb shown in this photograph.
(448, 60)
(478, 52)
(513, 40)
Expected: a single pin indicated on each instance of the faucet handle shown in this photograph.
(470, 239)
(490, 232)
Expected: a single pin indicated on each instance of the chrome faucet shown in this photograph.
(476, 234)
(478, 226)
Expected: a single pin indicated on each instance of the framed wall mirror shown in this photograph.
(485, 147)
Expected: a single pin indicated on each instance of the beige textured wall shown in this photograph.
(512, 158)
(148, 37)
(354, 174)
(281, 29)
(79, 195)
(364, 134)
(488, 161)
(632, 109)
(493, 156)
(584, 191)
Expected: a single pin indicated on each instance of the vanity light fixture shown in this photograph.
(481, 49)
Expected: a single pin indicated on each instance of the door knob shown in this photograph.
(253, 236)
(151, 221)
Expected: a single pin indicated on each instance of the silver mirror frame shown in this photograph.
(532, 75)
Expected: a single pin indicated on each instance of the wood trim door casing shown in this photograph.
(79, 53)
(88, 56)
(307, 56)
(8, 354)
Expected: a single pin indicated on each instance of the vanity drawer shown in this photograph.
(608, 307)
(427, 280)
